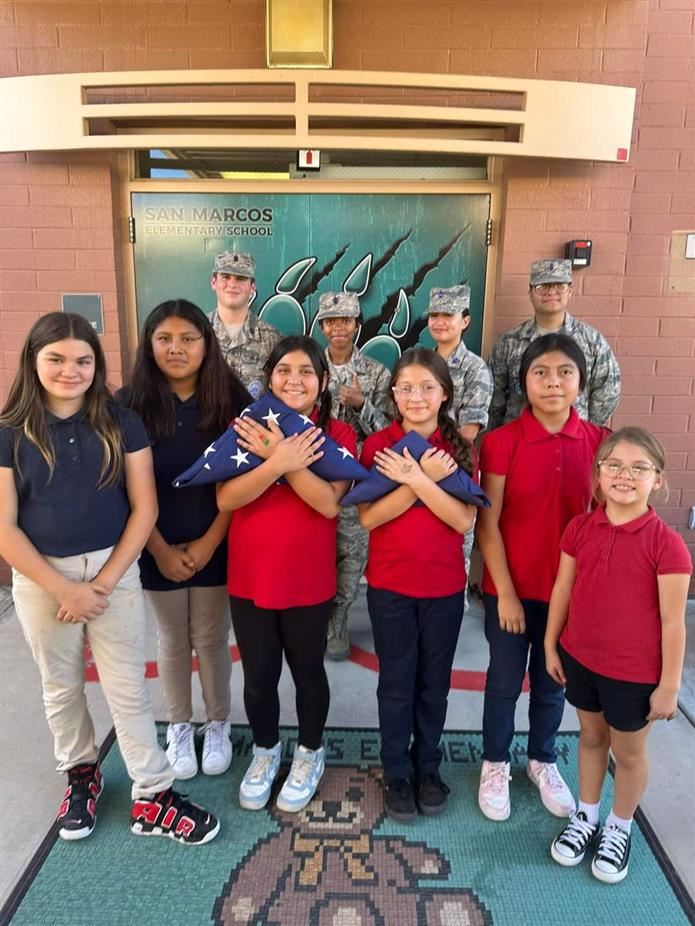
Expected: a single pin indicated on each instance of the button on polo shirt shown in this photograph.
(66, 514)
(614, 622)
(548, 482)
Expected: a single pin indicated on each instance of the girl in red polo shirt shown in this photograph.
(537, 475)
(417, 579)
(618, 610)
(281, 573)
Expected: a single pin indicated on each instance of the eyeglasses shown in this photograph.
(637, 471)
(406, 390)
(551, 287)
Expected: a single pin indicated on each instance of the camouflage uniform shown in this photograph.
(472, 387)
(352, 540)
(599, 399)
(248, 349)
(596, 403)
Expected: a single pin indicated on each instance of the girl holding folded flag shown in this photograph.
(417, 578)
(282, 573)
(187, 395)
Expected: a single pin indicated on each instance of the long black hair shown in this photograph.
(311, 348)
(437, 366)
(220, 393)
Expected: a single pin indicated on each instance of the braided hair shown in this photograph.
(317, 359)
(436, 365)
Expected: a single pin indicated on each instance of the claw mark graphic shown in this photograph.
(358, 280)
(311, 285)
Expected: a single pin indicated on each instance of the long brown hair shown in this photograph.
(436, 365)
(25, 409)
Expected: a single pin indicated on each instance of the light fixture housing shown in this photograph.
(299, 33)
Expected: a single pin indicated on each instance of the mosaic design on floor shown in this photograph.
(341, 862)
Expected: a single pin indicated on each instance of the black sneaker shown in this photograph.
(612, 856)
(172, 814)
(399, 800)
(432, 794)
(77, 815)
(570, 847)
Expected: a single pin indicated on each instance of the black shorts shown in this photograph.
(625, 705)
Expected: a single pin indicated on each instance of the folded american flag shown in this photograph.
(224, 458)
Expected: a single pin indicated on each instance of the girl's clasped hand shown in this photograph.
(290, 454)
(406, 470)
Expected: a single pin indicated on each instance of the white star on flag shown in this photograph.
(271, 416)
(245, 411)
(306, 420)
(206, 466)
(345, 452)
(210, 449)
(239, 457)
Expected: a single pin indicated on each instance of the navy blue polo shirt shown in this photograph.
(67, 514)
(186, 513)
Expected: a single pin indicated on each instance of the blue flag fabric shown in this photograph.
(459, 484)
(224, 458)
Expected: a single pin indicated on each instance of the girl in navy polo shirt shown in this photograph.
(282, 573)
(618, 611)
(417, 579)
(186, 396)
(77, 503)
(537, 474)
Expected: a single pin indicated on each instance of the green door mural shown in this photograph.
(389, 249)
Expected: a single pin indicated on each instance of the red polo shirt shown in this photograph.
(614, 622)
(281, 550)
(415, 554)
(548, 482)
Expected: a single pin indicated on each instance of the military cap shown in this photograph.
(338, 305)
(450, 301)
(235, 262)
(551, 271)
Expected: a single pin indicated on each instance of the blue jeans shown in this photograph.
(509, 654)
(415, 640)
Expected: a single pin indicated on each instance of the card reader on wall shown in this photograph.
(579, 252)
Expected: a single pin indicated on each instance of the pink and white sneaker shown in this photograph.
(555, 795)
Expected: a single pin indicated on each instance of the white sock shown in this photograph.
(624, 825)
(590, 811)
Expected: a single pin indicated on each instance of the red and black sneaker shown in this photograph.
(77, 815)
(172, 814)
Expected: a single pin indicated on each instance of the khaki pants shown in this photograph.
(117, 641)
(193, 619)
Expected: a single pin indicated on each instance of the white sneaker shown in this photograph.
(257, 783)
(555, 795)
(493, 793)
(307, 768)
(181, 751)
(217, 747)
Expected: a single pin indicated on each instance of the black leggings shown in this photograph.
(262, 636)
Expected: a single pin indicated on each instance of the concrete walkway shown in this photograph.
(30, 790)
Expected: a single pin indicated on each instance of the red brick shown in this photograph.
(533, 220)
(675, 460)
(687, 160)
(70, 196)
(14, 195)
(628, 36)
(95, 260)
(684, 442)
(635, 405)
(510, 62)
(668, 69)
(59, 60)
(676, 182)
(644, 327)
(669, 46)
(85, 217)
(37, 36)
(648, 159)
(514, 12)
(658, 347)
(681, 480)
(619, 60)
(543, 197)
(690, 116)
(684, 367)
(588, 223)
(648, 266)
(602, 285)
(419, 59)
(596, 305)
(618, 200)
(14, 238)
(568, 59)
(18, 321)
(46, 217)
(671, 306)
(675, 21)
(9, 62)
(619, 12)
(143, 12)
(650, 202)
(510, 36)
(145, 59)
(32, 301)
(33, 174)
(642, 285)
(77, 281)
(668, 424)
(83, 13)
(77, 238)
(607, 326)
(678, 327)
(658, 224)
(123, 34)
(668, 91)
(649, 245)
(662, 114)
(38, 260)
(608, 263)
(673, 405)
(89, 175)
(667, 137)
(637, 366)
(17, 279)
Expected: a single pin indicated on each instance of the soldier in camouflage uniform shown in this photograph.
(550, 291)
(245, 340)
(448, 316)
(359, 391)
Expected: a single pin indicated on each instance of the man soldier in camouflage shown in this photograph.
(245, 340)
(448, 316)
(359, 391)
(550, 291)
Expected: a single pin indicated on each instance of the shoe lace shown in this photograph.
(552, 779)
(183, 736)
(495, 777)
(302, 767)
(577, 832)
(214, 737)
(613, 844)
(259, 767)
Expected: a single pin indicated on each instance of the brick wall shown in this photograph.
(58, 225)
